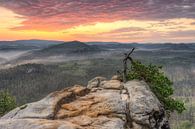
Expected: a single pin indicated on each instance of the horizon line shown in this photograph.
(99, 41)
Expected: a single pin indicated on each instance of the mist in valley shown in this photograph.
(32, 74)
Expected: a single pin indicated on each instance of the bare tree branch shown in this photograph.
(127, 57)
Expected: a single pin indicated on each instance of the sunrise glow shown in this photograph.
(115, 22)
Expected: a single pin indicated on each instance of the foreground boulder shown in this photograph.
(103, 104)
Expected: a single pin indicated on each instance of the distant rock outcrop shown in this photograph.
(103, 104)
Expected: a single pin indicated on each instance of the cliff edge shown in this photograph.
(103, 104)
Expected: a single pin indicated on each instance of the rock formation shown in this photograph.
(103, 104)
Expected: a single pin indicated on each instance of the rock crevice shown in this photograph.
(103, 104)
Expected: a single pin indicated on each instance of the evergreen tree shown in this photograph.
(7, 102)
(160, 85)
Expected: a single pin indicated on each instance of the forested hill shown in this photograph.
(74, 47)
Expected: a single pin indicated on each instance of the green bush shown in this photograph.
(7, 102)
(160, 85)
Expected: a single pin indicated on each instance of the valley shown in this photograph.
(31, 75)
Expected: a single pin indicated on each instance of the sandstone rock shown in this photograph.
(112, 84)
(47, 107)
(36, 124)
(116, 77)
(100, 82)
(101, 105)
(143, 103)
(95, 82)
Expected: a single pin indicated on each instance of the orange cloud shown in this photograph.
(105, 20)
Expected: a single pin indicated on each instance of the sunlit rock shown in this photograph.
(103, 104)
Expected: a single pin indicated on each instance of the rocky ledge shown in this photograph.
(103, 104)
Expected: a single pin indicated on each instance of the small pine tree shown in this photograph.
(7, 102)
(160, 85)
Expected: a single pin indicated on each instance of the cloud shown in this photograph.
(53, 15)
(126, 32)
(127, 29)
(187, 33)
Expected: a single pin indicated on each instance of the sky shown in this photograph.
(146, 21)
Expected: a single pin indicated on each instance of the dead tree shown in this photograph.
(125, 60)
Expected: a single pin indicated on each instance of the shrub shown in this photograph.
(7, 102)
(160, 85)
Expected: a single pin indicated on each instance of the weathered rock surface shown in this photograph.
(103, 104)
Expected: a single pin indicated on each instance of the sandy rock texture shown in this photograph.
(102, 104)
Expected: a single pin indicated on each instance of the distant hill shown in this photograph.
(26, 44)
(112, 45)
(149, 46)
(61, 46)
(168, 46)
(73, 47)
(44, 51)
(179, 47)
(59, 51)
